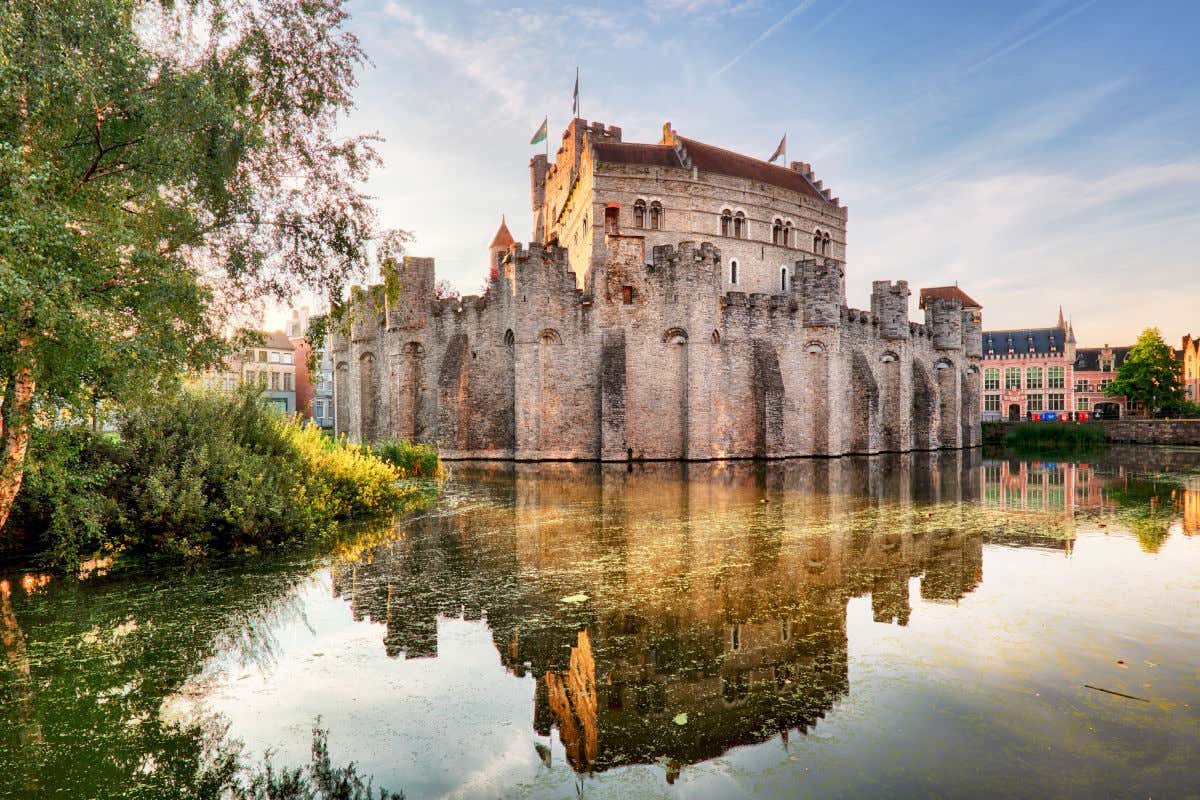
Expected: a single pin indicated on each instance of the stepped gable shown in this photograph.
(947, 293)
(709, 158)
(1087, 359)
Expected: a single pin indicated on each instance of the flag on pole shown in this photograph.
(540, 134)
(575, 100)
(781, 150)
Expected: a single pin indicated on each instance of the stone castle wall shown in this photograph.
(655, 361)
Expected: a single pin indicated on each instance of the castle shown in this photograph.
(681, 302)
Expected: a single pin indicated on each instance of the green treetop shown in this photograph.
(162, 162)
(1149, 374)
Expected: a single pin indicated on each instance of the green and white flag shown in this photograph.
(540, 134)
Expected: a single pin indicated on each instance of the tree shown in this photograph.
(1149, 374)
(161, 163)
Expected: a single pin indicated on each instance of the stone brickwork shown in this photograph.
(624, 342)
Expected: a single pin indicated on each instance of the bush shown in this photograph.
(203, 473)
(1055, 436)
(413, 460)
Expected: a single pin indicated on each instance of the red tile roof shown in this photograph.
(726, 162)
(502, 238)
(947, 293)
(659, 155)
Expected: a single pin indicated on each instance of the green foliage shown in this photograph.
(412, 460)
(160, 163)
(198, 474)
(64, 506)
(1149, 374)
(1181, 409)
(1055, 436)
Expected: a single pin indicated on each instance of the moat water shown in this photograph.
(947, 625)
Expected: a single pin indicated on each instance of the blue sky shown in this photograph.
(1036, 152)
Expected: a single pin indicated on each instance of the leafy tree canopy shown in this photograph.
(1150, 374)
(162, 162)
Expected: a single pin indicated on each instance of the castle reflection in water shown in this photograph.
(719, 590)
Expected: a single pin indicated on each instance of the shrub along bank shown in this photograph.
(198, 475)
(1055, 436)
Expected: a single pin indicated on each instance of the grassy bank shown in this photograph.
(1054, 436)
(202, 474)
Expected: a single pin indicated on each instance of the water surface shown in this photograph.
(900, 626)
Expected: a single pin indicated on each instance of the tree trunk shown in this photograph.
(16, 419)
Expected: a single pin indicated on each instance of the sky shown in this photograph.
(1036, 153)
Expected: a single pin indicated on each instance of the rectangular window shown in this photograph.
(991, 379)
(1081, 386)
(1033, 378)
(274, 381)
(991, 402)
(1056, 402)
(1012, 378)
(1106, 366)
(627, 295)
(1033, 402)
(262, 356)
(1083, 404)
(1056, 377)
(274, 357)
(1104, 384)
(287, 381)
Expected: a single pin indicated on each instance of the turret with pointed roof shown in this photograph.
(496, 250)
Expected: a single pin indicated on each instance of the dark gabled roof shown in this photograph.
(709, 158)
(657, 155)
(1087, 359)
(1022, 340)
(278, 340)
(947, 293)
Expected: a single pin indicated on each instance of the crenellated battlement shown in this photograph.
(664, 256)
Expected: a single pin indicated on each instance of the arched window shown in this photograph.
(739, 225)
(783, 279)
(656, 215)
(787, 234)
(777, 232)
(733, 276)
(817, 242)
(825, 245)
(726, 222)
(639, 214)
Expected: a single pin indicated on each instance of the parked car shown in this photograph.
(1106, 411)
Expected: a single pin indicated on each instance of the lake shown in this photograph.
(947, 624)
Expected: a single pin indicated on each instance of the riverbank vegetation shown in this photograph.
(200, 474)
(1054, 436)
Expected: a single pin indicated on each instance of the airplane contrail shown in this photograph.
(804, 6)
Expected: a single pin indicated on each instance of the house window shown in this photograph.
(639, 214)
(262, 356)
(1033, 378)
(287, 381)
(627, 295)
(1105, 383)
(783, 279)
(991, 402)
(726, 222)
(656, 216)
(1056, 401)
(1033, 402)
(612, 221)
(733, 276)
(1082, 404)
(740, 229)
(1106, 365)
(274, 381)
(1081, 385)
(274, 358)
(991, 379)
(1012, 378)
(1056, 377)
